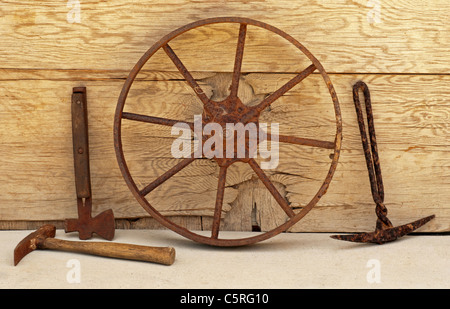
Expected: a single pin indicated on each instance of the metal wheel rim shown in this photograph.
(156, 214)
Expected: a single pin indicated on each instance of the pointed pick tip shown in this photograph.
(384, 236)
(349, 237)
(418, 223)
(429, 218)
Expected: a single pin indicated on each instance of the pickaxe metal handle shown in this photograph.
(371, 154)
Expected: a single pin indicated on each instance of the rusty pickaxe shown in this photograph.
(103, 224)
(43, 238)
(384, 231)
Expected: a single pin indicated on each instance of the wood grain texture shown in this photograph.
(402, 56)
(409, 37)
(37, 167)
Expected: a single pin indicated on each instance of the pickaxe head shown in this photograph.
(381, 236)
(103, 224)
(33, 241)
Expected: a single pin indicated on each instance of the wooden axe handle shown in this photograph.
(161, 255)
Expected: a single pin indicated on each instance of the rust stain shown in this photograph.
(414, 147)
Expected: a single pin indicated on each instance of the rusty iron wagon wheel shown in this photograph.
(230, 110)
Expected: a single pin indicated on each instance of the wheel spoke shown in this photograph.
(155, 120)
(219, 202)
(269, 185)
(285, 88)
(187, 75)
(238, 61)
(161, 179)
(302, 141)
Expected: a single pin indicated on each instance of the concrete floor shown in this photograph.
(286, 261)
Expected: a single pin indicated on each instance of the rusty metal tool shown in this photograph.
(103, 224)
(43, 238)
(384, 231)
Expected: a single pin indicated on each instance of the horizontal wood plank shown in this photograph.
(411, 118)
(347, 37)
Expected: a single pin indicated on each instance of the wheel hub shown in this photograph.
(228, 114)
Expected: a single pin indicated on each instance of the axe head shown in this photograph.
(32, 241)
(103, 224)
(381, 236)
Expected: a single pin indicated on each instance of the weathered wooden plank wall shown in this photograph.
(400, 49)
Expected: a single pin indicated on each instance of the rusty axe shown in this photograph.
(43, 238)
(103, 224)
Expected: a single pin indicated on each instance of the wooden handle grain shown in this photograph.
(161, 255)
